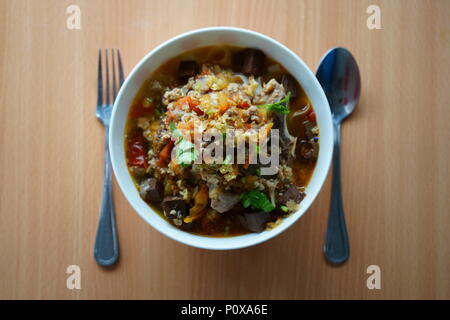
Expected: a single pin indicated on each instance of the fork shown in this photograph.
(106, 248)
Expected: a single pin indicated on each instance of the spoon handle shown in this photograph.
(336, 248)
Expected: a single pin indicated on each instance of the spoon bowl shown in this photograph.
(338, 73)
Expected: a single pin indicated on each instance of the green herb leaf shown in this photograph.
(176, 133)
(185, 153)
(284, 208)
(278, 107)
(185, 150)
(257, 200)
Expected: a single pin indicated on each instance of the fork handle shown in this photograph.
(106, 248)
(336, 247)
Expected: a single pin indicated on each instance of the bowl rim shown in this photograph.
(204, 242)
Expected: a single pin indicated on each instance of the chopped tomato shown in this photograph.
(164, 154)
(197, 110)
(193, 104)
(243, 105)
(137, 151)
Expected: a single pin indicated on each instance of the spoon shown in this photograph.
(339, 76)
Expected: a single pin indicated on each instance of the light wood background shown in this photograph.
(396, 168)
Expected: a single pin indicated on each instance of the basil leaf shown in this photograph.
(257, 200)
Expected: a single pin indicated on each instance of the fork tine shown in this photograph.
(100, 87)
(107, 77)
(121, 77)
(114, 76)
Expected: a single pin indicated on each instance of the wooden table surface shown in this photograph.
(395, 155)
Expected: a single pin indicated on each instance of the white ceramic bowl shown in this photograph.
(200, 38)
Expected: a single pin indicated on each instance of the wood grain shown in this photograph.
(396, 168)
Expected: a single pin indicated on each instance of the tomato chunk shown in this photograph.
(137, 151)
(197, 110)
(193, 104)
(243, 105)
(164, 154)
